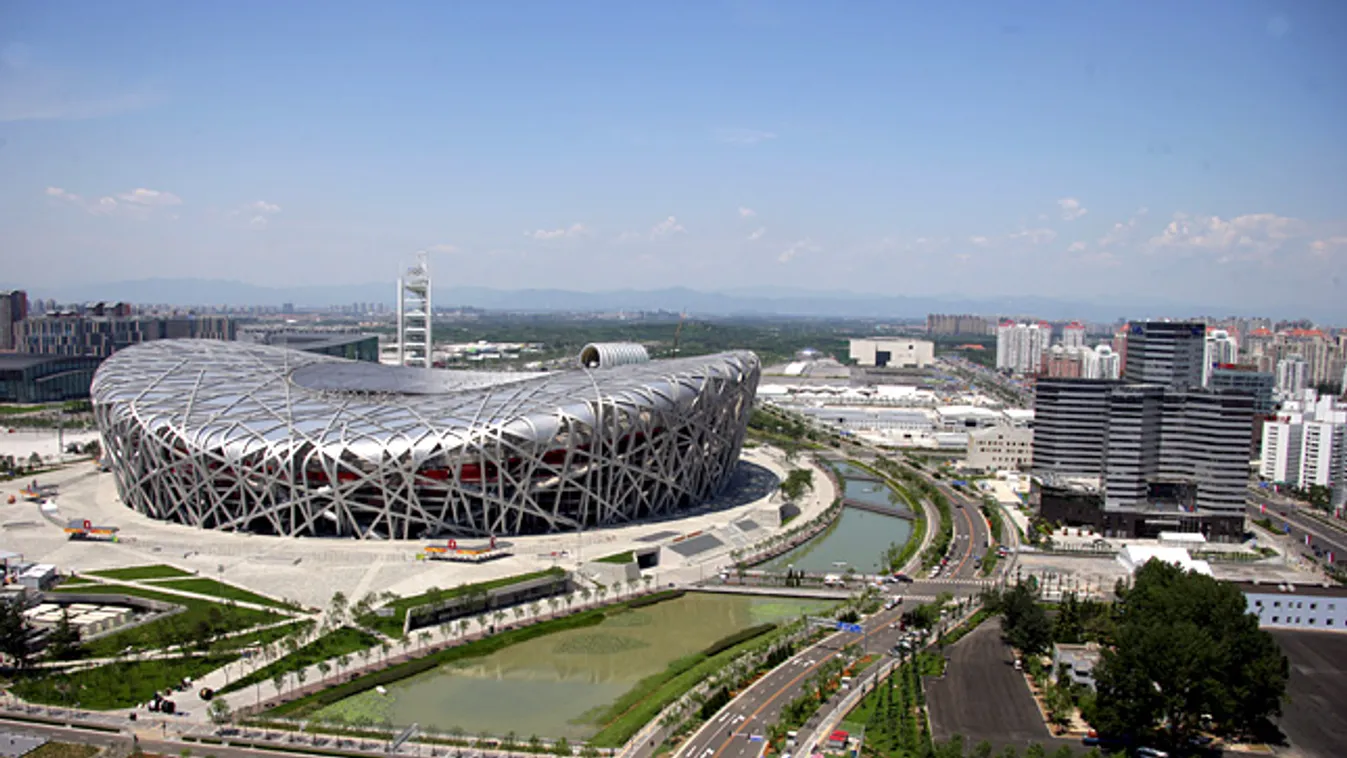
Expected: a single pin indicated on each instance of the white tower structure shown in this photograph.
(414, 315)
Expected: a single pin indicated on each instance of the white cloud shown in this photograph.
(258, 222)
(138, 201)
(574, 230)
(746, 212)
(665, 228)
(262, 206)
(1071, 208)
(978, 240)
(1034, 236)
(442, 248)
(1247, 237)
(1322, 247)
(57, 192)
(149, 197)
(805, 245)
(742, 136)
(757, 234)
(1076, 247)
(629, 237)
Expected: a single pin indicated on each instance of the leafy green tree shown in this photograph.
(15, 634)
(1026, 624)
(1186, 646)
(797, 482)
(219, 711)
(1035, 751)
(64, 641)
(983, 750)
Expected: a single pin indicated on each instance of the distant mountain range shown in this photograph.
(756, 301)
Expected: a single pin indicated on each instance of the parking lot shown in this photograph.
(1315, 719)
(982, 697)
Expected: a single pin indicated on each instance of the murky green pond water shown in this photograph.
(545, 686)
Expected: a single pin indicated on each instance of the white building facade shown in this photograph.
(881, 352)
(1287, 606)
(999, 448)
(1293, 375)
(1220, 348)
(1307, 444)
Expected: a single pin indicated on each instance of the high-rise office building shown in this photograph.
(940, 323)
(1136, 458)
(13, 311)
(1168, 353)
(1246, 378)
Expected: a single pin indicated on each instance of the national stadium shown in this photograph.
(267, 440)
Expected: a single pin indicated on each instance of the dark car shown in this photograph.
(900, 576)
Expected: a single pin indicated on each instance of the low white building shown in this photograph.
(881, 352)
(1297, 606)
(1000, 447)
(1133, 557)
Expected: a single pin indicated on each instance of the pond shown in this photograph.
(553, 685)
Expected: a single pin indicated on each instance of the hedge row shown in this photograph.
(657, 597)
(743, 635)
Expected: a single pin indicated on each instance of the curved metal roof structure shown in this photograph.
(263, 439)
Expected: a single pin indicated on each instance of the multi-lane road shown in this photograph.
(1283, 512)
(739, 729)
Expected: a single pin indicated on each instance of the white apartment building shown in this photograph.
(1100, 363)
(1293, 375)
(1307, 444)
(1220, 347)
(1288, 606)
(1020, 347)
(1073, 335)
(881, 352)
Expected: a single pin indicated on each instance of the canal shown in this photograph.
(858, 538)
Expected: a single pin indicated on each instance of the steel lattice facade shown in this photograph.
(260, 439)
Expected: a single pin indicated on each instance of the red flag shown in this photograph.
(1309, 540)
(1262, 507)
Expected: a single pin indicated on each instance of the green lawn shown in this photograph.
(222, 590)
(116, 685)
(201, 620)
(392, 625)
(14, 410)
(135, 573)
(264, 636)
(619, 558)
(344, 641)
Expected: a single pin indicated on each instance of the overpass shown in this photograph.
(883, 510)
(803, 592)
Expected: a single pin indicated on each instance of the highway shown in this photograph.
(1282, 511)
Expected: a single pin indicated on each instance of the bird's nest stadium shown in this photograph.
(267, 440)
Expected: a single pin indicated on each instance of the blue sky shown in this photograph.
(1111, 150)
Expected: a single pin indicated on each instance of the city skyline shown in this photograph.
(1141, 153)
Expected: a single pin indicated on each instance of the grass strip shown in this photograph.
(199, 622)
(116, 685)
(651, 695)
(619, 558)
(263, 636)
(136, 573)
(336, 643)
(958, 632)
(392, 625)
(224, 591)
